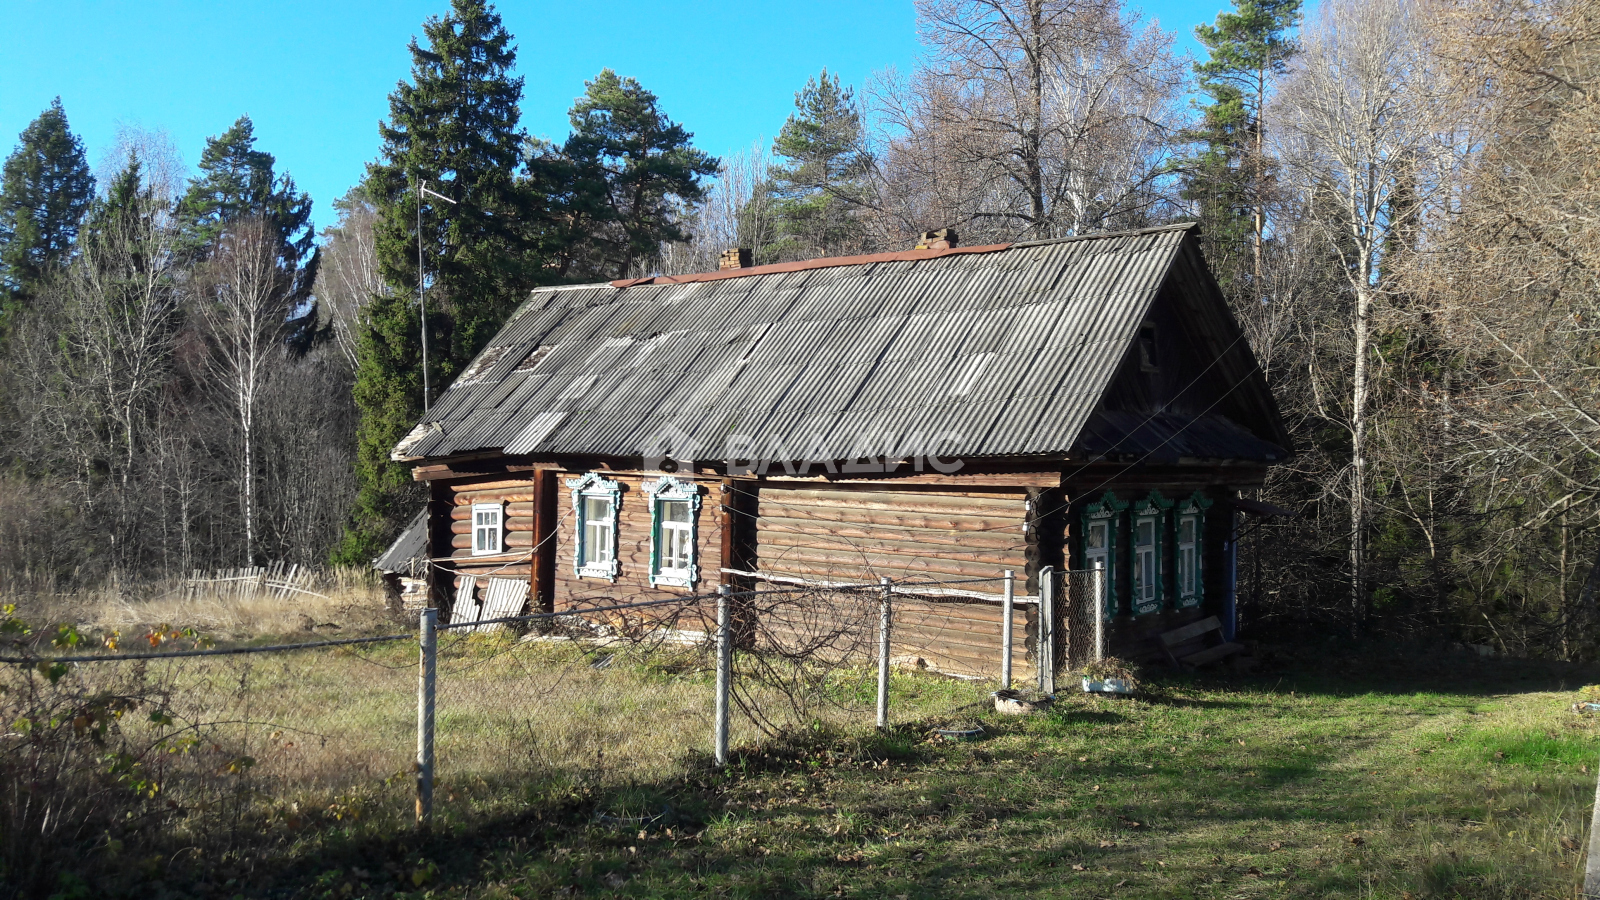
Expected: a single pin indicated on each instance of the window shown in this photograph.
(1149, 532)
(673, 505)
(1101, 525)
(487, 528)
(1190, 552)
(595, 500)
(1145, 567)
(1148, 361)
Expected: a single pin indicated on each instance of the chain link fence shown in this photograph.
(170, 743)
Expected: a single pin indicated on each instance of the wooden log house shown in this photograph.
(935, 415)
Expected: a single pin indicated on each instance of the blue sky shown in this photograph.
(315, 76)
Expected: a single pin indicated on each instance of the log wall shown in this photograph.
(859, 533)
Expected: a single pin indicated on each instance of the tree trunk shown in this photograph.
(1035, 140)
(1358, 460)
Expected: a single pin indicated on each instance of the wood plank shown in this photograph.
(894, 534)
(956, 479)
(1211, 655)
(1003, 506)
(1191, 631)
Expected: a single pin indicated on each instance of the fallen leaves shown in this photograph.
(1570, 844)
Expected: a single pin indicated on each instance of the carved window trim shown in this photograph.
(1190, 586)
(1107, 512)
(594, 486)
(1148, 569)
(661, 491)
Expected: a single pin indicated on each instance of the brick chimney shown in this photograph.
(735, 258)
(943, 239)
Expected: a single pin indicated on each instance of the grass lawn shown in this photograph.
(1355, 776)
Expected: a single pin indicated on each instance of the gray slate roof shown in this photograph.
(409, 552)
(987, 354)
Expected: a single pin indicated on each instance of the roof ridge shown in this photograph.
(1100, 235)
(830, 262)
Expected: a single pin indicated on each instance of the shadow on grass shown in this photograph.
(886, 836)
(1403, 669)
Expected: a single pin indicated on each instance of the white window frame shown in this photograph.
(1191, 584)
(1185, 557)
(495, 530)
(1107, 511)
(1146, 564)
(1149, 594)
(668, 489)
(594, 486)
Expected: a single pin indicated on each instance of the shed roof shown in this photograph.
(409, 553)
(999, 351)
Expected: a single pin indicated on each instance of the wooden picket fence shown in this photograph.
(277, 581)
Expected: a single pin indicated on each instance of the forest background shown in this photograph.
(1398, 198)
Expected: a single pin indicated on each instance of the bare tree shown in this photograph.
(1507, 289)
(1057, 114)
(241, 291)
(730, 216)
(348, 277)
(94, 362)
(1362, 123)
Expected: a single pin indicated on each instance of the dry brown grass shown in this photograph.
(342, 600)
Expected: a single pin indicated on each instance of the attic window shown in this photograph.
(1147, 349)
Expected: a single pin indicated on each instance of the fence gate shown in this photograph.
(1083, 622)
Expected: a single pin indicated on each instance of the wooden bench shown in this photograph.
(1197, 644)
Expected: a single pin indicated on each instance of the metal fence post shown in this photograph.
(1007, 605)
(429, 642)
(883, 654)
(724, 673)
(1047, 630)
(1100, 606)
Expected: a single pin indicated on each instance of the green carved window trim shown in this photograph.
(662, 491)
(1106, 511)
(593, 486)
(1148, 575)
(1192, 593)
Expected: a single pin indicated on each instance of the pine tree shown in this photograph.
(1248, 49)
(45, 191)
(455, 128)
(633, 173)
(237, 181)
(817, 191)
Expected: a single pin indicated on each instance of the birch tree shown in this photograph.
(1062, 111)
(1360, 124)
(242, 290)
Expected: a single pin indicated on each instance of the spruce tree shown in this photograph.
(818, 189)
(455, 127)
(1248, 49)
(236, 181)
(45, 190)
(633, 174)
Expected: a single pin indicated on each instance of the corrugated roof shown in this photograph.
(409, 552)
(816, 362)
